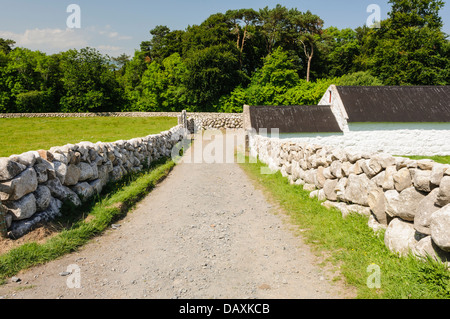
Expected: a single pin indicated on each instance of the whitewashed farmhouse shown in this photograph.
(399, 120)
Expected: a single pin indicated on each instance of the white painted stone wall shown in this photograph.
(426, 139)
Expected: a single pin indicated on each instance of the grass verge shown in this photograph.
(117, 199)
(352, 246)
(438, 159)
(30, 134)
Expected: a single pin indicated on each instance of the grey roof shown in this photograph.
(396, 103)
(294, 119)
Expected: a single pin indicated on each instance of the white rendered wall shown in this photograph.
(426, 139)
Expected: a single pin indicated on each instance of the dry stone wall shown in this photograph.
(101, 114)
(410, 199)
(34, 185)
(205, 121)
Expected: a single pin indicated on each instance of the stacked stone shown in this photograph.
(34, 185)
(408, 198)
(215, 121)
(102, 114)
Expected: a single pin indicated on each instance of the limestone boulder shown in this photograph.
(424, 212)
(347, 168)
(425, 164)
(60, 170)
(10, 169)
(443, 197)
(116, 174)
(62, 192)
(377, 204)
(336, 169)
(22, 227)
(388, 182)
(353, 157)
(72, 175)
(45, 170)
(43, 197)
(440, 228)
(288, 168)
(295, 170)
(379, 178)
(84, 190)
(86, 171)
(41, 172)
(340, 188)
(403, 204)
(320, 177)
(28, 158)
(357, 209)
(421, 179)
(327, 173)
(437, 173)
(371, 167)
(402, 179)
(60, 157)
(384, 160)
(23, 184)
(46, 155)
(357, 190)
(321, 195)
(400, 236)
(427, 248)
(310, 176)
(23, 208)
(339, 154)
(329, 188)
(356, 167)
(97, 185)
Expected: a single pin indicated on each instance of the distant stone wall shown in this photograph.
(205, 121)
(103, 114)
(408, 198)
(34, 185)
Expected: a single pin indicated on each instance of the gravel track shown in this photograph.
(204, 232)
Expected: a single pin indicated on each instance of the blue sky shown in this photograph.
(116, 27)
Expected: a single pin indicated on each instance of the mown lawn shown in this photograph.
(30, 134)
(353, 248)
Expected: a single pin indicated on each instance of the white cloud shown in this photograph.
(57, 40)
(47, 39)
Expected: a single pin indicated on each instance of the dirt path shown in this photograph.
(204, 232)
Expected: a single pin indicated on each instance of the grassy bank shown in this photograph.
(352, 246)
(29, 134)
(83, 224)
(438, 159)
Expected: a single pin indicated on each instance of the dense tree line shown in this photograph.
(276, 56)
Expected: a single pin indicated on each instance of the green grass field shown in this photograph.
(31, 134)
(352, 247)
